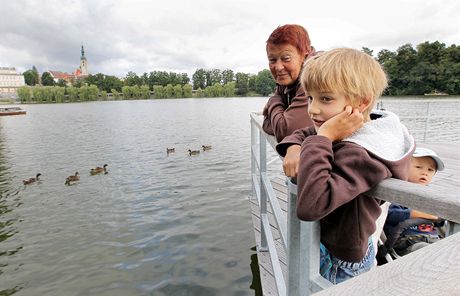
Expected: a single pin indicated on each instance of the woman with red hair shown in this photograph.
(287, 48)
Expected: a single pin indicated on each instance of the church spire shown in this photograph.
(83, 70)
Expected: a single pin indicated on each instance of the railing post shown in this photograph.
(263, 192)
(297, 283)
(303, 253)
(426, 121)
(253, 161)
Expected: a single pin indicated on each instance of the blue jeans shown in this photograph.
(337, 271)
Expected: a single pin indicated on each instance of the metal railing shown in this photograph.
(301, 239)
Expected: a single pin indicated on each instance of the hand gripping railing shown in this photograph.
(300, 239)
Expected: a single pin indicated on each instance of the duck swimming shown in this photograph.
(98, 170)
(32, 180)
(206, 147)
(170, 150)
(72, 178)
(193, 152)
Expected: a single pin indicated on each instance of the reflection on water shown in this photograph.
(256, 284)
(9, 201)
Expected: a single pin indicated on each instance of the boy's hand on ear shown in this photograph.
(291, 161)
(342, 125)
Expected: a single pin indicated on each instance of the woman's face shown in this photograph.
(285, 63)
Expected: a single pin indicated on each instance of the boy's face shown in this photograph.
(285, 63)
(324, 105)
(422, 170)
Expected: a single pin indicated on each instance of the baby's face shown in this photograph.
(422, 170)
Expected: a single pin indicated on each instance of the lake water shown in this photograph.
(155, 224)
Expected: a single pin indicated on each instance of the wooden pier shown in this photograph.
(433, 270)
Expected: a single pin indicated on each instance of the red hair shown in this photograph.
(294, 35)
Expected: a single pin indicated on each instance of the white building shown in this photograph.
(10, 81)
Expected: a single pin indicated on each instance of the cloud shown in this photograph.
(182, 36)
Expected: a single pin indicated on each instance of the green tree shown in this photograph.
(215, 77)
(115, 94)
(77, 82)
(429, 67)
(145, 92)
(58, 94)
(368, 51)
(103, 95)
(145, 79)
(127, 92)
(72, 93)
(31, 77)
(252, 82)
(61, 82)
(36, 74)
(227, 76)
(177, 91)
(208, 78)
(183, 78)
(242, 84)
(84, 93)
(136, 90)
(208, 92)
(24, 94)
(158, 91)
(169, 90)
(132, 79)
(187, 88)
(450, 74)
(93, 92)
(38, 94)
(218, 90)
(199, 79)
(48, 94)
(229, 89)
(111, 82)
(47, 79)
(264, 84)
(199, 93)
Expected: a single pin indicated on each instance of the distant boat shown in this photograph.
(436, 93)
(11, 111)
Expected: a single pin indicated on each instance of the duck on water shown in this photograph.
(32, 180)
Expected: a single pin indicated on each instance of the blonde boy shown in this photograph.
(348, 151)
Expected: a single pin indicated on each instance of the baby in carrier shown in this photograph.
(407, 229)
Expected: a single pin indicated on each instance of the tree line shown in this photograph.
(427, 68)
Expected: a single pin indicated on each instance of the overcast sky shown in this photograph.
(182, 36)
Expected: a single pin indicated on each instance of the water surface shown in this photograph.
(156, 224)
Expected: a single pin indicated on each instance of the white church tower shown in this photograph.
(83, 63)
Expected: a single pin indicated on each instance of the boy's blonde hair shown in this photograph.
(350, 72)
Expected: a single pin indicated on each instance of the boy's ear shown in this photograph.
(364, 104)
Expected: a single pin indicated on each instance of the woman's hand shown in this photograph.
(291, 161)
(342, 125)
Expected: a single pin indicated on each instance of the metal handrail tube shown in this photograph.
(277, 272)
(263, 192)
(280, 218)
(300, 239)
